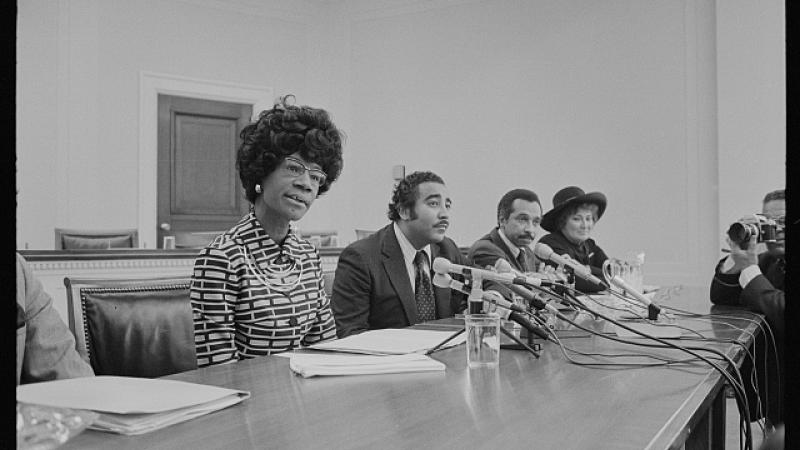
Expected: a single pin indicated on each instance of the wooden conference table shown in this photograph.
(545, 403)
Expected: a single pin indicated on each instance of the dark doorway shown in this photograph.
(198, 187)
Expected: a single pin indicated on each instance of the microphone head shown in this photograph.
(441, 265)
(503, 266)
(542, 251)
(441, 280)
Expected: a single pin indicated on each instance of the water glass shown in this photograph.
(483, 340)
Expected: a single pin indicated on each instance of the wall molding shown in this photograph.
(150, 85)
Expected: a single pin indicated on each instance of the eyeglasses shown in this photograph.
(296, 169)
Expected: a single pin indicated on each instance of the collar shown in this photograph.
(514, 249)
(409, 252)
(251, 226)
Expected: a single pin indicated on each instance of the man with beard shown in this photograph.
(385, 280)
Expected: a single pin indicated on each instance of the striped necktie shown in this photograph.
(423, 289)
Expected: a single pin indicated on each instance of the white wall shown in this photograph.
(751, 63)
(78, 90)
(626, 97)
(611, 96)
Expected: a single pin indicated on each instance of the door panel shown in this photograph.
(198, 186)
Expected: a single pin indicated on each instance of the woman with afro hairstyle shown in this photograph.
(257, 289)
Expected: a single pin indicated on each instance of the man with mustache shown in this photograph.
(385, 280)
(518, 216)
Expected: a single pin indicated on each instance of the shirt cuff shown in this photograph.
(747, 275)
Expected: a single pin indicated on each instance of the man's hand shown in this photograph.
(742, 257)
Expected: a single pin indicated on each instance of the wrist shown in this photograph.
(748, 273)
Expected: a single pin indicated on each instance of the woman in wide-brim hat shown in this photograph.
(570, 224)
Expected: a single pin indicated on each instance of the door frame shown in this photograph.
(150, 85)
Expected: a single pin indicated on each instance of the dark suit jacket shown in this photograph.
(371, 289)
(488, 249)
(764, 293)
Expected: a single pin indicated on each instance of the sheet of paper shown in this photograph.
(131, 406)
(121, 395)
(391, 341)
(316, 364)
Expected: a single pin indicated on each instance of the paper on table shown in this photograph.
(314, 364)
(391, 341)
(131, 405)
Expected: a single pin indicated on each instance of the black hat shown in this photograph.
(571, 195)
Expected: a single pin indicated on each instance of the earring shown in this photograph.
(258, 189)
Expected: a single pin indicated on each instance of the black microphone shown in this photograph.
(442, 265)
(652, 308)
(544, 252)
(510, 311)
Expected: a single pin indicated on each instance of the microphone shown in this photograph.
(503, 266)
(510, 311)
(543, 251)
(446, 281)
(442, 265)
(652, 308)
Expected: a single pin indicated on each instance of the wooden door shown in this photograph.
(198, 185)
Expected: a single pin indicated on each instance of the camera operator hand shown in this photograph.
(751, 219)
(741, 258)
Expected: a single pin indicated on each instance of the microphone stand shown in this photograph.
(475, 302)
(530, 346)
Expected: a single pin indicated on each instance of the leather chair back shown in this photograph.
(133, 327)
(73, 239)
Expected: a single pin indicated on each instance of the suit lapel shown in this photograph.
(498, 241)
(395, 265)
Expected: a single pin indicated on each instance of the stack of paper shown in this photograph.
(130, 405)
(314, 364)
(392, 341)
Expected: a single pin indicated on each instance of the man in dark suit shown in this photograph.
(756, 280)
(385, 280)
(518, 216)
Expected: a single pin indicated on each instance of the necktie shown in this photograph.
(522, 260)
(423, 289)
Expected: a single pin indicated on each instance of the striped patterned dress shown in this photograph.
(251, 298)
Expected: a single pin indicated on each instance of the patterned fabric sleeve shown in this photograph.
(324, 326)
(213, 293)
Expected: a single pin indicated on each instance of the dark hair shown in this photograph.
(572, 209)
(405, 193)
(284, 130)
(780, 194)
(504, 207)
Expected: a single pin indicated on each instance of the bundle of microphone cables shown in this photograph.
(537, 310)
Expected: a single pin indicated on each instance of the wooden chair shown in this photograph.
(361, 234)
(325, 238)
(327, 277)
(75, 239)
(132, 327)
(194, 239)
